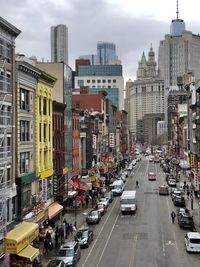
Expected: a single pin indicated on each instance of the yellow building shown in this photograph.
(43, 128)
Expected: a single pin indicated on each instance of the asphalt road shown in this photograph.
(145, 239)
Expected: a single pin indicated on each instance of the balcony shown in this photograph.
(5, 119)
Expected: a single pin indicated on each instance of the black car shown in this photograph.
(169, 176)
(93, 217)
(179, 201)
(185, 220)
(84, 237)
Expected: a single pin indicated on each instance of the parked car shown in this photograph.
(175, 193)
(56, 263)
(104, 201)
(179, 201)
(93, 217)
(109, 196)
(70, 253)
(192, 242)
(180, 211)
(84, 237)
(172, 182)
(101, 208)
(163, 190)
(169, 176)
(185, 220)
(151, 176)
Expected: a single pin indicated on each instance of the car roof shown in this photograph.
(193, 235)
(151, 173)
(69, 244)
(54, 262)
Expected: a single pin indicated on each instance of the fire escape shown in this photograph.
(5, 126)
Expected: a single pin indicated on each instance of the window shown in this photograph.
(26, 196)
(24, 99)
(109, 81)
(49, 107)
(24, 131)
(114, 81)
(45, 106)
(104, 81)
(80, 82)
(24, 162)
(98, 81)
(88, 81)
(45, 133)
(93, 81)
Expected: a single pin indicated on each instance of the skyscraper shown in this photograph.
(106, 53)
(59, 43)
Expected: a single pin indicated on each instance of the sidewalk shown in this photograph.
(70, 217)
(196, 203)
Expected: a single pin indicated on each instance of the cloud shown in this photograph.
(88, 22)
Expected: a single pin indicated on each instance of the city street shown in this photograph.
(147, 238)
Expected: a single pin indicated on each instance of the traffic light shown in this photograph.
(55, 185)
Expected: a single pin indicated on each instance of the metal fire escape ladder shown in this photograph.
(3, 151)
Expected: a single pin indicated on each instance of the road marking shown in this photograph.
(170, 243)
(86, 259)
(108, 239)
(133, 254)
(163, 245)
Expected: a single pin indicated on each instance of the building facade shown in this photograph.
(106, 53)
(59, 43)
(102, 77)
(75, 142)
(44, 136)
(27, 180)
(147, 92)
(8, 209)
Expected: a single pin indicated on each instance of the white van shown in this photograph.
(192, 242)
(128, 201)
(117, 187)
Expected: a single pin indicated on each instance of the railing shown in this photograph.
(5, 118)
(4, 186)
(5, 87)
(5, 152)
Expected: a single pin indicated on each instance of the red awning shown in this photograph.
(54, 209)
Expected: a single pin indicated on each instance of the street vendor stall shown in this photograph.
(18, 243)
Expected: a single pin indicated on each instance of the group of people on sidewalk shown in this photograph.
(62, 231)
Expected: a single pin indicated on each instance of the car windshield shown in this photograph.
(128, 201)
(195, 240)
(66, 252)
(53, 263)
(94, 213)
(82, 234)
(100, 206)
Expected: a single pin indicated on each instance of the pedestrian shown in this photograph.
(48, 236)
(71, 229)
(61, 234)
(56, 238)
(137, 184)
(173, 216)
(188, 194)
(46, 246)
(87, 200)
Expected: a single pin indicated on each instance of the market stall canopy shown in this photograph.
(29, 252)
(21, 236)
(54, 209)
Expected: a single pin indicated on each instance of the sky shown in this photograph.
(132, 25)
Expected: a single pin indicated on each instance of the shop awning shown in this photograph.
(54, 209)
(20, 237)
(29, 252)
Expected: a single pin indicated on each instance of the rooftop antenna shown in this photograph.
(177, 9)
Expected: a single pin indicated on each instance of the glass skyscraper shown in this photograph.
(105, 53)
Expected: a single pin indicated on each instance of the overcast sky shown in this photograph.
(132, 25)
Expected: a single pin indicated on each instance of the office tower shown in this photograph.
(179, 53)
(92, 58)
(146, 96)
(59, 43)
(106, 53)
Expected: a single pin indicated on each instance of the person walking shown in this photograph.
(173, 216)
(56, 238)
(137, 184)
(71, 229)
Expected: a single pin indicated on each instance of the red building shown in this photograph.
(75, 142)
(58, 147)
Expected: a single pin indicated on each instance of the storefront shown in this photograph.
(18, 243)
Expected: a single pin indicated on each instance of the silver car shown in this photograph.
(70, 253)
